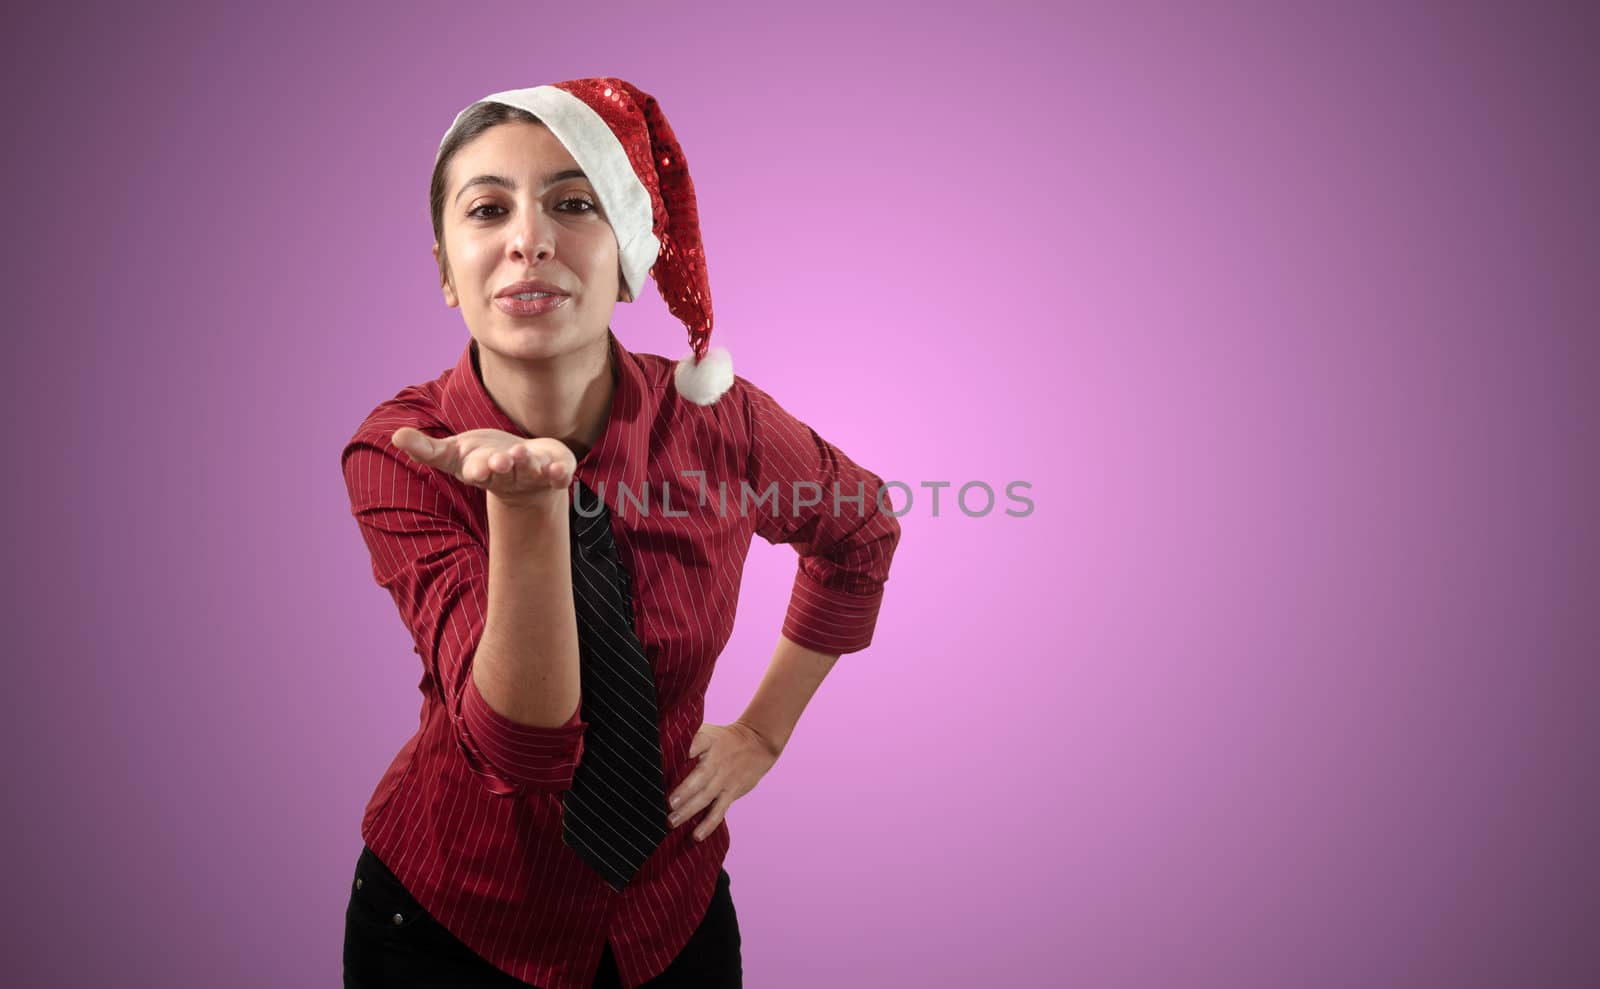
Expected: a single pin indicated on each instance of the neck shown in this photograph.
(567, 397)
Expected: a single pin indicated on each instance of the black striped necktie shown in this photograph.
(615, 814)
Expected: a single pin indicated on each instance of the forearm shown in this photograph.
(526, 664)
(790, 682)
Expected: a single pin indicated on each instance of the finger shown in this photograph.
(475, 467)
(529, 456)
(697, 790)
(412, 441)
(712, 819)
(694, 805)
(489, 465)
(688, 790)
(701, 742)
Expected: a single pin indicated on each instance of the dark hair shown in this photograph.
(479, 118)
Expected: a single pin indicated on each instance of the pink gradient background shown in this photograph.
(1287, 317)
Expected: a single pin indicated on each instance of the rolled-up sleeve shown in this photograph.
(807, 493)
(437, 571)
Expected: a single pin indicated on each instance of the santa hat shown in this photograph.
(619, 137)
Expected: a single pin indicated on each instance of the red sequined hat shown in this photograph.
(619, 137)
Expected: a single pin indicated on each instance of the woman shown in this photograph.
(562, 524)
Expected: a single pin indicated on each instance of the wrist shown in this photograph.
(767, 737)
(548, 503)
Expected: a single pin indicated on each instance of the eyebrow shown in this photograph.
(506, 183)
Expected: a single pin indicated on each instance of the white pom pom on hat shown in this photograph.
(620, 138)
(705, 381)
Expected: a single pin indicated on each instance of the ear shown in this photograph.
(444, 281)
(623, 295)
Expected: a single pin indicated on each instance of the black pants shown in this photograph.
(420, 953)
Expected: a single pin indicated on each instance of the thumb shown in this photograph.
(700, 743)
(413, 441)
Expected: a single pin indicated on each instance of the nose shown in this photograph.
(534, 238)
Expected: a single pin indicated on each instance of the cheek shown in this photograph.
(601, 265)
(474, 254)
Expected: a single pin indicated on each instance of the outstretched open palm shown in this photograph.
(515, 469)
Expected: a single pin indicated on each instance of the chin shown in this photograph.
(535, 339)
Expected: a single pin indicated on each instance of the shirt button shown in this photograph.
(398, 920)
(358, 882)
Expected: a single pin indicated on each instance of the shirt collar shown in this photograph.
(617, 457)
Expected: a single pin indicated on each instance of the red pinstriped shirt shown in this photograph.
(468, 815)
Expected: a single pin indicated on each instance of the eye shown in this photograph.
(587, 207)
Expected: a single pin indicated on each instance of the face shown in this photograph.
(521, 226)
